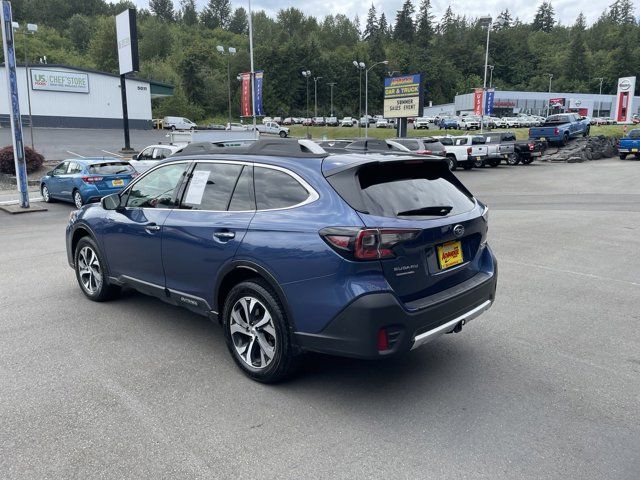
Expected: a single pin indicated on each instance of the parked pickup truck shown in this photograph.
(560, 128)
(273, 128)
(464, 150)
(500, 146)
(630, 145)
(523, 151)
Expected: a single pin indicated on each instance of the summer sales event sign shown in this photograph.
(59, 81)
(402, 96)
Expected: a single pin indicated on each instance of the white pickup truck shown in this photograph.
(464, 150)
(273, 128)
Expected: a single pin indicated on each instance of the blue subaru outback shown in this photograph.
(292, 249)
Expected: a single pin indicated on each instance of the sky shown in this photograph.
(566, 10)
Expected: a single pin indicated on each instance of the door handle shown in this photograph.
(225, 235)
(152, 227)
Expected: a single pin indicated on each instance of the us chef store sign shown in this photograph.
(59, 81)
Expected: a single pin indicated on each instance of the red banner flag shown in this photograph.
(477, 101)
(245, 102)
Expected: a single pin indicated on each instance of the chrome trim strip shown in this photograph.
(450, 325)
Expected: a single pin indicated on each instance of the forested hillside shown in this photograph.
(178, 46)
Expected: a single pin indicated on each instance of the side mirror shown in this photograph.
(50, 173)
(111, 202)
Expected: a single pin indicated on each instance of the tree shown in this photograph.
(189, 12)
(383, 26)
(217, 14)
(404, 29)
(504, 20)
(239, 22)
(576, 67)
(371, 27)
(447, 21)
(424, 27)
(80, 32)
(544, 19)
(163, 9)
(103, 46)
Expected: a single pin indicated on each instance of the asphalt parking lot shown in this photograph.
(544, 385)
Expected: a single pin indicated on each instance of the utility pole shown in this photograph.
(550, 75)
(307, 74)
(32, 28)
(366, 95)
(491, 75)
(360, 66)
(315, 95)
(488, 22)
(331, 85)
(253, 73)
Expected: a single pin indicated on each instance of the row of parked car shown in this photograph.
(472, 122)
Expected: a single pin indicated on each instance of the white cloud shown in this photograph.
(566, 10)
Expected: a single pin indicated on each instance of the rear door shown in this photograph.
(207, 228)
(427, 197)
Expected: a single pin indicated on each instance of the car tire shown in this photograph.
(77, 199)
(565, 139)
(586, 132)
(513, 159)
(478, 163)
(622, 156)
(451, 161)
(494, 163)
(91, 273)
(283, 134)
(173, 128)
(46, 196)
(247, 305)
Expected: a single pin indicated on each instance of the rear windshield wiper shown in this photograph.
(440, 210)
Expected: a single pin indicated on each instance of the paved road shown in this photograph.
(544, 386)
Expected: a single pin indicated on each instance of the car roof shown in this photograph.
(93, 160)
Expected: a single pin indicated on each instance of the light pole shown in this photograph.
(550, 75)
(599, 100)
(230, 51)
(32, 28)
(315, 95)
(485, 22)
(331, 85)
(491, 67)
(307, 74)
(360, 66)
(366, 95)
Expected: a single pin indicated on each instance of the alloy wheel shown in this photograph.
(253, 332)
(45, 193)
(77, 199)
(89, 270)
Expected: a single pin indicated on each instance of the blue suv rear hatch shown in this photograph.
(421, 223)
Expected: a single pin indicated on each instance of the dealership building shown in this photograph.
(68, 97)
(507, 103)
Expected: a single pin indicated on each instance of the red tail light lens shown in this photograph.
(532, 146)
(469, 150)
(91, 179)
(556, 131)
(366, 243)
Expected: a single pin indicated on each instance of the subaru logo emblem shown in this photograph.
(458, 230)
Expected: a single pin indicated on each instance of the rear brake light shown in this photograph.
(532, 146)
(469, 150)
(91, 179)
(556, 131)
(366, 243)
(424, 152)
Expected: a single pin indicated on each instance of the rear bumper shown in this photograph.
(354, 331)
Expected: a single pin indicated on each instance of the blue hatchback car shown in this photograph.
(86, 180)
(292, 249)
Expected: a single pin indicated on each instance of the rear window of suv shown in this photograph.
(113, 168)
(405, 190)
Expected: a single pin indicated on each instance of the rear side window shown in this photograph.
(211, 186)
(277, 189)
(243, 195)
(410, 144)
(478, 141)
(446, 141)
(112, 168)
(410, 190)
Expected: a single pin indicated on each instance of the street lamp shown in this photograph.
(360, 66)
(331, 85)
(485, 22)
(307, 74)
(550, 75)
(315, 95)
(366, 95)
(491, 67)
(32, 28)
(599, 100)
(230, 51)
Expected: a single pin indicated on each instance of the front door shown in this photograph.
(58, 178)
(206, 230)
(133, 236)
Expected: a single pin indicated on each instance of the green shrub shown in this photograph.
(7, 165)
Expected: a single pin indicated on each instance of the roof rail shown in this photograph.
(282, 147)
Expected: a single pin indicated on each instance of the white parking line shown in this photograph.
(76, 154)
(111, 153)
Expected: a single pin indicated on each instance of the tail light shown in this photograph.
(556, 131)
(424, 152)
(532, 146)
(529, 133)
(469, 150)
(366, 243)
(383, 340)
(91, 179)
